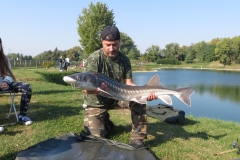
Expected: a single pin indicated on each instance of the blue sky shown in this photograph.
(31, 27)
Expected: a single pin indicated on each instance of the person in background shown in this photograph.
(7, 82)
(60, 60)
(83, 62)
(112, 63)
(67, 63)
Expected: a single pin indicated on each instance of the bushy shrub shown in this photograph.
(47, 64)
(54, 77)
(168, 61)
(189, 61)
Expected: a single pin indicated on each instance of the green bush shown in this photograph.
(168, 61)
(47, 64)
(54, 77)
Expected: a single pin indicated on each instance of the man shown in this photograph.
(67, 63)
(112, 63)
(60, 60)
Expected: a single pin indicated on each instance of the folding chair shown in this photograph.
(12, 106)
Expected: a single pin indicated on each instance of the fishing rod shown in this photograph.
(234, 145)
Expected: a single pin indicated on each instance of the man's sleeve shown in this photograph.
(128, 71)
(91, 64)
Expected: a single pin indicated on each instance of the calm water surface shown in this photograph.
(217, 93)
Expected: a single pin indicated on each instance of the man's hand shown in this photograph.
(103, 87)
(151, 97)
(91, 91)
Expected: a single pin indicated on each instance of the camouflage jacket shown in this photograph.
(118, 69)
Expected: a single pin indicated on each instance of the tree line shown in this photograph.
(96, 16)
(224, 50)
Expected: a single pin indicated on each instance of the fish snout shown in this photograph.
(68, 79)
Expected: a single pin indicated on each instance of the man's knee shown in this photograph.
(137, 107)
(139, 120)
(97, 123)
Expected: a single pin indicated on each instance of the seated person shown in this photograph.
(7, 83)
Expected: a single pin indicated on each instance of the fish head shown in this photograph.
(85, 81)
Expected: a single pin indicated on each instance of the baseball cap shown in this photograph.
(110, 33)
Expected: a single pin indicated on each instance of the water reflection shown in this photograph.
(224, 92)
(216, 96)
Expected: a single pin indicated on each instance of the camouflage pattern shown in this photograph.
(118, 69)
(138, 115)
(139, 120)
(96, 121)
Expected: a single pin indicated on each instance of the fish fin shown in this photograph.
(155, 81)
(166, 99)
(105, 94)
(185, 94)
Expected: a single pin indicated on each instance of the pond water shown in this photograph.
(217, 93)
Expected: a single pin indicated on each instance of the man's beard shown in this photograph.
(112, 55)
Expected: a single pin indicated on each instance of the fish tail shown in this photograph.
(185, 94)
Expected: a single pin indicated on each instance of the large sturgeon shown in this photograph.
(123, 92)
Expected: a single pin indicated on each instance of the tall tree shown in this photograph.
(134, 53)
(50, 55)
(27, 57)
(56, 54)
(12, 56)
(182, 53)
(223, 51)
(235, 48)
(153, 53)
(205, 51)
(127, 46)
(214, 41)
(75, 53)
(190, 56)
(172, 50)
(126, 43)
(90, 24)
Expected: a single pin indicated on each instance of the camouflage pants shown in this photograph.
(97, 122)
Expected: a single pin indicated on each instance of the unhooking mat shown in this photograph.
(83, 147)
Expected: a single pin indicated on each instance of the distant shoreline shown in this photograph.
(216, 69)
(223, 69)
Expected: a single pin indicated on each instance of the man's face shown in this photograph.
(110, 48)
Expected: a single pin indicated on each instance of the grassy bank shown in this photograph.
(210, 66)
(56, 109)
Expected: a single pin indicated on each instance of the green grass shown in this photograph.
(56, 109)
